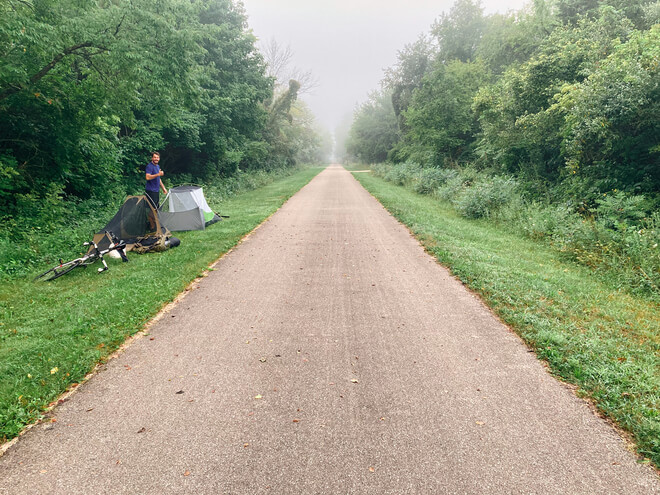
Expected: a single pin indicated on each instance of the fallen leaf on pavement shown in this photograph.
(259, 396)
(187, 473)
(142, 430)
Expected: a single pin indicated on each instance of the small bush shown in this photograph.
(485, 197)
(538, 220)
(428, 180)
(451, 189)
(620, 211)
(402, 174)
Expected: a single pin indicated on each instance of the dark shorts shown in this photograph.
(154, 196)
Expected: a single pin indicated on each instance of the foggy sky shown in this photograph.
(347, 44)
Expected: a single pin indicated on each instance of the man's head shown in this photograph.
(155, 158)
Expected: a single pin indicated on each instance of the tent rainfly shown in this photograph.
(137, 222)
(185, 208)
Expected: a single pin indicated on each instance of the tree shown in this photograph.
(374, 129)
(233, 85)
(513, 38)
(459, 32)
(72, 71)
(612, 120)
(402, 79)
(520, 121)
(572, 11)
(441, 122)
(278, 60)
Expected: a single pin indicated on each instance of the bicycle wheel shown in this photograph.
(58, 272)
(42, 275)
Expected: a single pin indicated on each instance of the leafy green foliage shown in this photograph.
(406, 76)
(562, 95)
(486, 197)
(520, 120)
(374, 129)
(612, 120)
(458, 33)
(441, 122)
(88, 89)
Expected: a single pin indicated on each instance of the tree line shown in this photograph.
(563, 96)
(88, 88)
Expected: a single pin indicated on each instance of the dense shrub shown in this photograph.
(485, 197)
(403, 173)
(428, 180)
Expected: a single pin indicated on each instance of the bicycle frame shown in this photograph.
(87, 259)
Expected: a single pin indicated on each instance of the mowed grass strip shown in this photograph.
(604, 341)
(52, 334)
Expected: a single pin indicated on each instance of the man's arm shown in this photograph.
(153, 176)
(162, 186)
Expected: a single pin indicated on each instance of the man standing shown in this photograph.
(154, 184)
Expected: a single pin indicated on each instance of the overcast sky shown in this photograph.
(347, 44)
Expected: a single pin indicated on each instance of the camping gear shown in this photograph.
(93, 255)
(185, 208)
(137, 224)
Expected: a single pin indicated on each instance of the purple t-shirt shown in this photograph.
(153, 185)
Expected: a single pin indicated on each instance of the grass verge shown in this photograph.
(602, 340)
(53, 333)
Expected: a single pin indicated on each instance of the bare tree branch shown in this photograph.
(278, 59)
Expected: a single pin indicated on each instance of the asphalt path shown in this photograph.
(327, 354)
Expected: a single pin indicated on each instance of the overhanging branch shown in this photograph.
(69, 51)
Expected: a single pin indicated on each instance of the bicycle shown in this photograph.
(93, 255)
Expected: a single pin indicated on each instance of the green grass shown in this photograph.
(603, 340)
(53, 333)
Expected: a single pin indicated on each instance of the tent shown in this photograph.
(185, 208)
(137, 223)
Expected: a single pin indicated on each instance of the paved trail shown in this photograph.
(326, 354)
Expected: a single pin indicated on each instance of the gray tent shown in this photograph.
(185, 208)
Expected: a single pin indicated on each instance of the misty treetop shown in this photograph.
(88, 88)
(563, 94)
